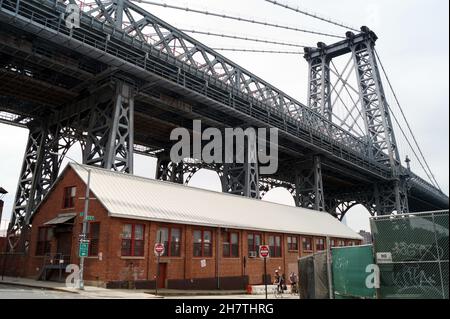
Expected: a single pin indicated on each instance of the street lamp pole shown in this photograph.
(84, 232)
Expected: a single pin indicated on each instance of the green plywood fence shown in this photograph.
(349, 272)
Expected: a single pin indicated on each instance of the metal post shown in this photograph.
(157, 266)
(85, 226)
(265, 274)
(438, 256)
(4, 258)
(329, 269)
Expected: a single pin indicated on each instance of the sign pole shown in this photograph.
(157, 276)
(264, 252)
(157, 265)
(265, 274)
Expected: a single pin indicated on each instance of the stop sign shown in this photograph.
(264, 251)
(159, 249)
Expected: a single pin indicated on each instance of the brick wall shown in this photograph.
(112, 269)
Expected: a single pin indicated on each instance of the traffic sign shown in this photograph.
(264, 251)
(84, 249)
(89, 217)
(159, 249)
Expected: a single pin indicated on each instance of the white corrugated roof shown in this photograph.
(129, 196)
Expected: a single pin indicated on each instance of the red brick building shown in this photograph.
(211, 239)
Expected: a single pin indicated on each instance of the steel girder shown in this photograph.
(309, 191)
(373, 103)
(375, 107)
(372, 100)
(166, 170)
(319, 95)
(379, 199)
(109, 142)
(39, 170)
(236, 178)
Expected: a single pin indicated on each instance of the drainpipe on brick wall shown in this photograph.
(186, 251)
(217, 258)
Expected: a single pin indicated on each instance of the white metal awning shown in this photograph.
(61, 219)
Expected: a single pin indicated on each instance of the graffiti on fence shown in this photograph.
(411, 278)
(417, 251)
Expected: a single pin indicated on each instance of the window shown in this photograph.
(94, 235)
(333, 243)
(341, 243)
(307, 244)
(230, 244)
(44, 241)
(202, 243)
(133, 240)
(69, 197)
(171, 238)
(320, 244)
(275, 246)
(292, 243)
(254, 241)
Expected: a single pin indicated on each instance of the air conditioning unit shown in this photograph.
(252, 254)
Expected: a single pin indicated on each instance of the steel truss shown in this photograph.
(372, 103)
(379, 199)
(309, 192)
(127, 38)
(102, 123)
(319, 92)
(109, 142)
(240, 178)
(40, 168)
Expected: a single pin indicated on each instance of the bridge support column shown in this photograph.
(109, 142)
(39, 170)
(319, 85)
(309, 191)
(243, 178)
(375, 108)
(169, 171)
(390, 197)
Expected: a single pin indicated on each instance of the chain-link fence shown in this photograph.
(313, 276)
(411, 251)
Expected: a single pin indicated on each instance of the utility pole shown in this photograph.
(84, 233)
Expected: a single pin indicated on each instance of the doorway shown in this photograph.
(162, 275)
(64, 245)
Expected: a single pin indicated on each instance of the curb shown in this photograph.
(15, 283)
(200, 293)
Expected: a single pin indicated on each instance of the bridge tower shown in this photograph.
(103, 124)
(373, 105)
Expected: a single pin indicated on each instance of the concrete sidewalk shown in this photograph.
(89, 291)
(98, 292)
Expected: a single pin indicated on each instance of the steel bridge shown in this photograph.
(122, 80)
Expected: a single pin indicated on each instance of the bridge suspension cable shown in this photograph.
(313, 15)
(249, 50)
(428, 171)
(237, 37)
(225, 16)
(258, 51)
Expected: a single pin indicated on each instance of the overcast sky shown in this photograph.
(413, 45)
